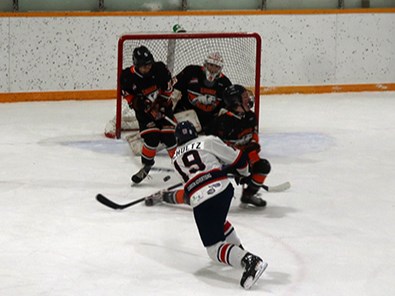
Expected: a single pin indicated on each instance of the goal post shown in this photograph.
(241, 53)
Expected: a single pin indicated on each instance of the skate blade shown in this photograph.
(243, 205)
(250, 281)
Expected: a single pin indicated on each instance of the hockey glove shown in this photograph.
(252, 146)
(241, 180)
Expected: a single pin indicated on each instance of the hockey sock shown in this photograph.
(171, 151)
(231, 235)
(174, 197)
(148, 154)
(226, 253)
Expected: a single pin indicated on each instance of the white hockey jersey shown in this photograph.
(204, 163)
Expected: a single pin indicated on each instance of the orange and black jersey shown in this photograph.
(192, 83)
(237, 131)
(141, 91)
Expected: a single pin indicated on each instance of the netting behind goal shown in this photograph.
(241, 53)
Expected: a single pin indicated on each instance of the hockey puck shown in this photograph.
(167, 178)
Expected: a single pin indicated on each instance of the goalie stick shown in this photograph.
(109, 203)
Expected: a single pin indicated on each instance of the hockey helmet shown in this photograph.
(215, 59)
(233, 96)
(185, 131)
(142, 56)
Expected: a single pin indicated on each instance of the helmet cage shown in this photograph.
(213, 59)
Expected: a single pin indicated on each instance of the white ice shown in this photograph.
(332, 233)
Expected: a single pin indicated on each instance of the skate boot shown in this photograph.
(253, 269)
(250, 196)
(154, 199)
(141, 174)
(254, 200)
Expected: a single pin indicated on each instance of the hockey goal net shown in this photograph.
(241, 53)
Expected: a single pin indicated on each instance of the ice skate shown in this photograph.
(254, 200)
(141, 174)
(253, 269)
(250, 197)
(154, 199)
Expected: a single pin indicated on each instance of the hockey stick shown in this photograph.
(162, 169)
(277, 188)
(109, 203)
(171, 121)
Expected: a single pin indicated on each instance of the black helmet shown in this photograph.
(233, 96)
(185, 131)
(142, 56)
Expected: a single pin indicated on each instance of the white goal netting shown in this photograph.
(241, 53)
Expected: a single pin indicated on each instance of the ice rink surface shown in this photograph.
(332, 233)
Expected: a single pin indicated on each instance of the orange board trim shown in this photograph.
(111, 94)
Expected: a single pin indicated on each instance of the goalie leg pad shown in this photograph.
(128, 121)
(191, 116)
(109, 130)
(127, 124)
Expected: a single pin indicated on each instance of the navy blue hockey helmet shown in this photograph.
(185, 131)
(142, 56)
(233, 96)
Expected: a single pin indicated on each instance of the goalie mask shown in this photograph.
(185, 131)
(142, 57)
(213, 65)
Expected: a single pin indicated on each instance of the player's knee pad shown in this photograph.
(262, 166)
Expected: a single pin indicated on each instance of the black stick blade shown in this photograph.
(105, 201)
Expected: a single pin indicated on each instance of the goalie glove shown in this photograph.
(205, 100)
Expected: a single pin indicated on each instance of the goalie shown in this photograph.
(200, 88)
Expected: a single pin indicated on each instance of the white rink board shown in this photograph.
(79, 53)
